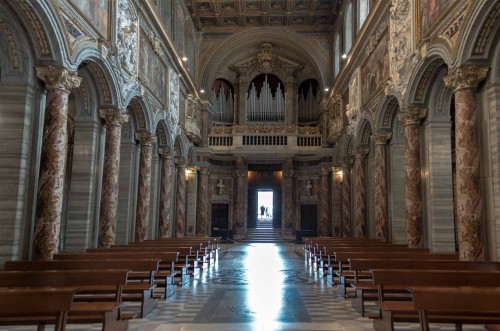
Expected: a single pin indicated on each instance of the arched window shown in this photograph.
(309, 101)
(336, 55)
(363, 9)
(222, 97)
(348, 29)
(266, 99)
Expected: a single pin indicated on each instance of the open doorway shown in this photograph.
(264, 205)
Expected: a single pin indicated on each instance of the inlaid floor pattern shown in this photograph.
(255, 287)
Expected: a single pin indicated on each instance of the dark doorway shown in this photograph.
(220, 216)
(309, 218)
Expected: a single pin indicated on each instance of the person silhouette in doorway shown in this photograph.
(262, 210)
(267, 212)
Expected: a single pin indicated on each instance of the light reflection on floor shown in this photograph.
(265, 282)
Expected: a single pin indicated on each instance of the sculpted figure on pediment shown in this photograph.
(173, 103)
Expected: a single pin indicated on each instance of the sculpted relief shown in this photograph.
(173, 102)
(353, 108)
(193, 119)
(336, 123)
(126, 33)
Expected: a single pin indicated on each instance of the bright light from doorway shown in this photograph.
(265, 204)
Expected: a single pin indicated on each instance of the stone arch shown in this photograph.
(251, 38)
(191, 155)
(421, 79)
(481, 30)
(387, 113)
(346, 146)
(103, 75)
(45, 32)
(362, 137)
(139, 114)
(163, 133)
(19, 46)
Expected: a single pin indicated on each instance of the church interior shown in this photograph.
(273, 133)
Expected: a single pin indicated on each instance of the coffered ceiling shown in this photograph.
(216, 15)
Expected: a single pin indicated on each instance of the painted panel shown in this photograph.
(97, 12)
(430, 13)
(375, 70)
(152, 71)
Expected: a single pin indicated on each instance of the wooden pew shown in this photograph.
(366, 290)
(166, 269)
(459, 305)
(90, 284)
(401, 311)
(142, 272)
(340, 260)
(171, 263)
(29, 306)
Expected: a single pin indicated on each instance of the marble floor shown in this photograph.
(255, 287)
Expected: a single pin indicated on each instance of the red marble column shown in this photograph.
(413, 181)
(146, 140)
(114, 120)
(180, 204)
(337, 201)
(58, 83)
(360, 191)
(324, 230)
(288, 195)
(381, 202)
(240, 211)
(464, 81)
(201, 224)
(346, 197)
(166, 191)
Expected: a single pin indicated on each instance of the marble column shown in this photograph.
(413, 181)
(191, 200)
(381, 194)
(58, 83)
(201, 224)
(180, 203)
(337, 202)
(346, 196)
(288, 196)
(114, 119)
(166, 191)
(464, 81)
(360, 191)
(146, 140)
(324, 230)
(240, 211)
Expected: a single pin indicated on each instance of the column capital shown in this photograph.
(113, 116)
(204, 170)
(289, 173)
(412, 115)
(465, 77)
(381, 138)
(181, 162)
(58, 77)
(167, 152)
(145, 138)
(361, 152)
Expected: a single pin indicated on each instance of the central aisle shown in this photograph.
(260, 286)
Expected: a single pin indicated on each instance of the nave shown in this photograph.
(252, 287)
